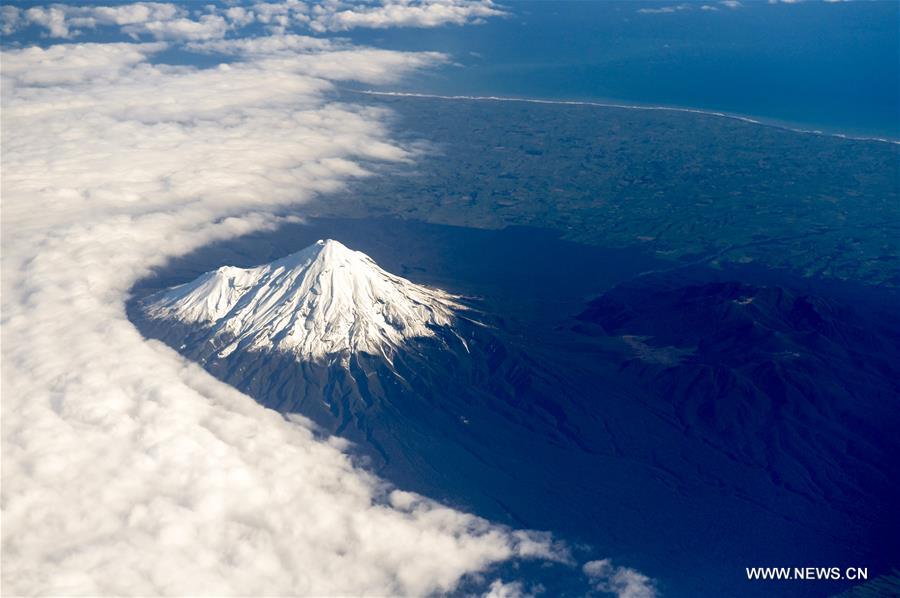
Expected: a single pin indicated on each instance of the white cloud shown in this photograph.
(125, 469)
(166, 21)
(133, 14)
(339, 16)
(204, 27)
(53, 19)
(10, 19)
(624, 582)
(278, 16)
(66, 21)
(500, 589)
(239, 16)
(324, 58)
(664, 9)
(267, 46)
(58, 65)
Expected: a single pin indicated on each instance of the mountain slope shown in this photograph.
(801, 386)
(401, 370)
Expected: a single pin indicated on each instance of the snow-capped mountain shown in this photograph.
(325, 300)
(401, 370)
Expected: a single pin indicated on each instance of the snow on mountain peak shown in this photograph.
(324, 300)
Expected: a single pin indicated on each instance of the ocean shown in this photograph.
(822, 66)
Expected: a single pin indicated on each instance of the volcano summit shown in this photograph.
(323, 301)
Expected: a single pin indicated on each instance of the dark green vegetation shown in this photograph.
(682, 186)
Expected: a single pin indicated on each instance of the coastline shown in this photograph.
(737, 117)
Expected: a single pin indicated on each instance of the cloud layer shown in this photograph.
(166, 21)
(125, 469)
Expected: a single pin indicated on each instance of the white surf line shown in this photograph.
(747, 119)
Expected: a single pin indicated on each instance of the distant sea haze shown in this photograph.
(810, 66)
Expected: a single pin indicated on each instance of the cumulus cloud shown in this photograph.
(10, 19)
(66, 21)
(239, 16)
(340, 16)
(203, 27)
(278, 16)
(53, 19)
(501, 589)
(59, 65)
(133, 14)
(166, 21)
(125, 469)
(267, 46)
(623, 582)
